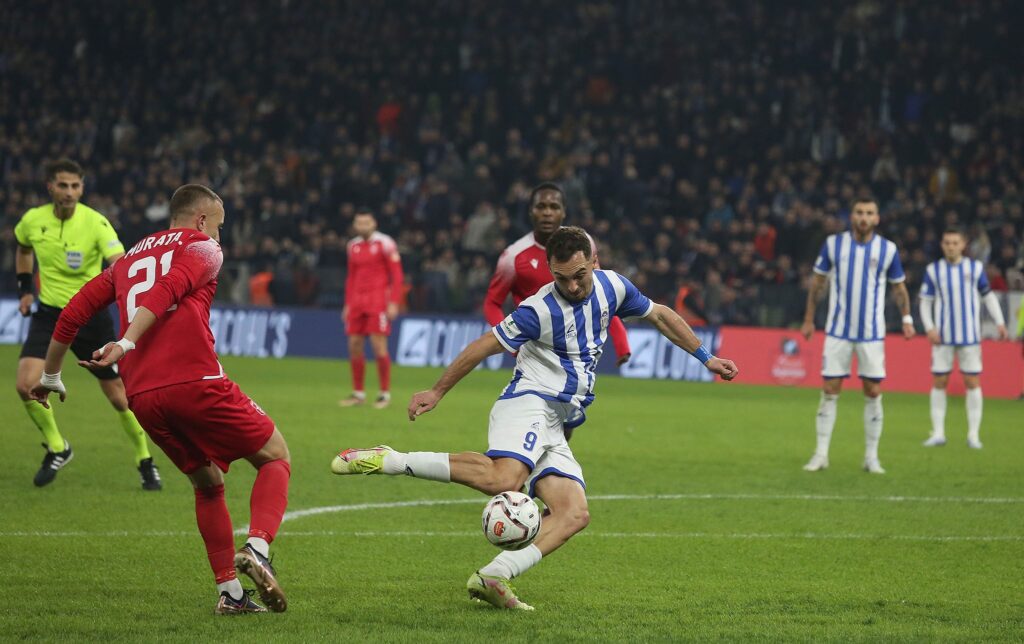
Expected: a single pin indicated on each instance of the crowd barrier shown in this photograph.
(765, 356)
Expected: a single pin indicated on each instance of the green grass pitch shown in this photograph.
(703, 525)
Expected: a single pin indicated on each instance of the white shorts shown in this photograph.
(530, 430)
(838, 353)
(968, 355)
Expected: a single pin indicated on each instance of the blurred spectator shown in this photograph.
(717, 144)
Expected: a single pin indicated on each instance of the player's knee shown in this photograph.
(206, 478)
(579, 519)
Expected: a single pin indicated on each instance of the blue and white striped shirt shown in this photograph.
(956, 290)
(858, 274)
(559, 342)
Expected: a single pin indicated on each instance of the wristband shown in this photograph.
(49, 380)
(25, 286)
(702, 354)
(125, 344)
(908, 319)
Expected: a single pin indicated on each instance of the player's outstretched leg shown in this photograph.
(382, 459)
(267, 504)
(567, 502)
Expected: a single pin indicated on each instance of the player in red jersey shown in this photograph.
(177, 389)
(523, 266)
(373, 290)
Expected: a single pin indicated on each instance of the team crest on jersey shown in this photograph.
(534, 262)
(570, 331)
(73, 259)
(874, 263)
(604, 318)
(373, 250)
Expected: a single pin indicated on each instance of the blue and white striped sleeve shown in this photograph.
(518, 328)
(895, 273)
(928, 284)
(823, 265)
(634, 303)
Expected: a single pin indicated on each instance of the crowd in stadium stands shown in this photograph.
(707, 145)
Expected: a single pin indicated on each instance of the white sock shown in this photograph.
(259, 545)
(386, 395)
(872, 427)
(432, 466)
(233, 588)
(974, 404)
(512, 563)
(825, 422)
(938, 406)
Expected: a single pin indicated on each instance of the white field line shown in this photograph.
(330, 509)
(427, 534)
(297, 514)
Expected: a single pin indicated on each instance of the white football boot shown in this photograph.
(817, 463)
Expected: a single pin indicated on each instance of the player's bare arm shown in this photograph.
(902, 298)
(24, 261)
(675, 328)
(814, 292)
(480, 349)
(111, 352)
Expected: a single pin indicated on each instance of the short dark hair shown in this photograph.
(547, 185)
(62, 165)
(954, 230)
(868, 199)
(363, 210)
(566, 242)
(187, 196)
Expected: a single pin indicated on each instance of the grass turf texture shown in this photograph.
(771, 552)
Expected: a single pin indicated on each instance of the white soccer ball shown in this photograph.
(511, 520)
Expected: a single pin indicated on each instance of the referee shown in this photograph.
(70, 240)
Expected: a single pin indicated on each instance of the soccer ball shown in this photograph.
(511, 520)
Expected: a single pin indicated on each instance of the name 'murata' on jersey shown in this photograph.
(172, 273)
(560, 342)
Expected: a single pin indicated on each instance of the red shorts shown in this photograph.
(196, 423)
(367, 322)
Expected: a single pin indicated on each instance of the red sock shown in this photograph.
(384, 372)
(269, 499)
(358, 373)
(215, 525)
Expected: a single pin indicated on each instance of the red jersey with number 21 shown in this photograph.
(173, 274)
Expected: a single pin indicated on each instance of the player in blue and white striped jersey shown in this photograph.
(857, 264)
(559, 333)
(952, 292)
